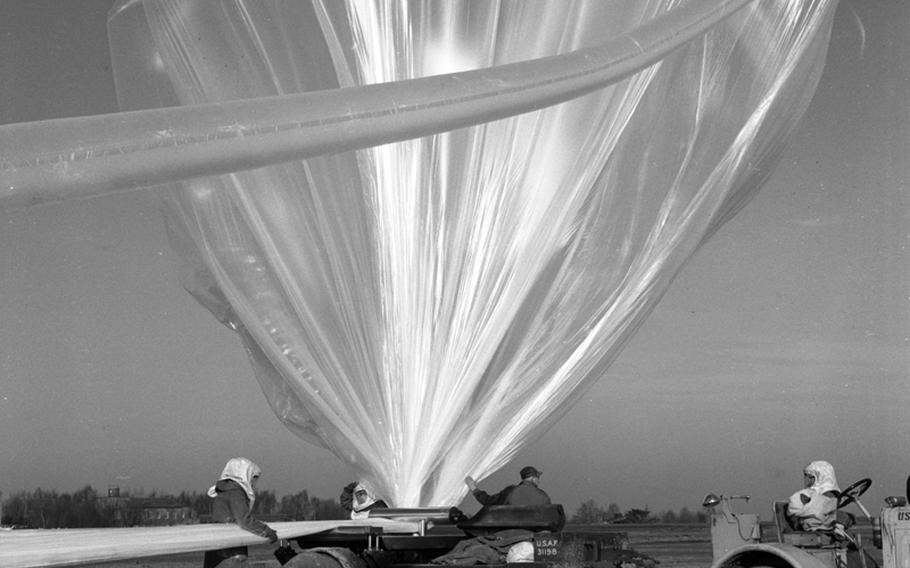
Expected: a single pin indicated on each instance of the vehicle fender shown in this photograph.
(764, 554)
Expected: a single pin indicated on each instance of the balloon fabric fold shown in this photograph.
(71, 158)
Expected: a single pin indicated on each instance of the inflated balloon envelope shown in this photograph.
(425, 308)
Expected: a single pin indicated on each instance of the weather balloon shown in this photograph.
(425, 308)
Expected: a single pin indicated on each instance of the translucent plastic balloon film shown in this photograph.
(423, 309)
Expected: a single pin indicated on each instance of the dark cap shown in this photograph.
(528, 471)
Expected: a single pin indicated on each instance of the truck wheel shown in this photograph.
(326, 558)
(767, 555)
(757, 560)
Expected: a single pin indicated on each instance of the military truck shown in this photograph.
(738, 542)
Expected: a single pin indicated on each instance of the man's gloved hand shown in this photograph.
(840, 533)
(284, 552)
(272, 536)
(347, 496)
(846, 519)
(456, 516)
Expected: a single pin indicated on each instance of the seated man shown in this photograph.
(814, 508)
(526, 492)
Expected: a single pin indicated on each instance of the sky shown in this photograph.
(785, 339)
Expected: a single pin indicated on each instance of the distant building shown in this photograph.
(161, 511)
(118, 506)
(147, 511)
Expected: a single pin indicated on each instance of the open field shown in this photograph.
(673, 546)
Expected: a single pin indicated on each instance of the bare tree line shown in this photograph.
(589, 513)
(87, 508)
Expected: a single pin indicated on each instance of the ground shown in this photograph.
(673, 546)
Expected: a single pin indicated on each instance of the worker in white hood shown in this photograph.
(814, 507)
(359, 500)
(233, 497)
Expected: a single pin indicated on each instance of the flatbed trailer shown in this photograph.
(442, 531)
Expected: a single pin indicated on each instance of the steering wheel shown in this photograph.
(852, 492)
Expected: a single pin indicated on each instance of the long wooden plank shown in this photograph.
(32, 548)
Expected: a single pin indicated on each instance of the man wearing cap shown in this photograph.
(525, 493)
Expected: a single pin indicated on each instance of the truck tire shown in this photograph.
(326, 558)
(769, 555)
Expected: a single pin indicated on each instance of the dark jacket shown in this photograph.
(525, 493)
(232, 505)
